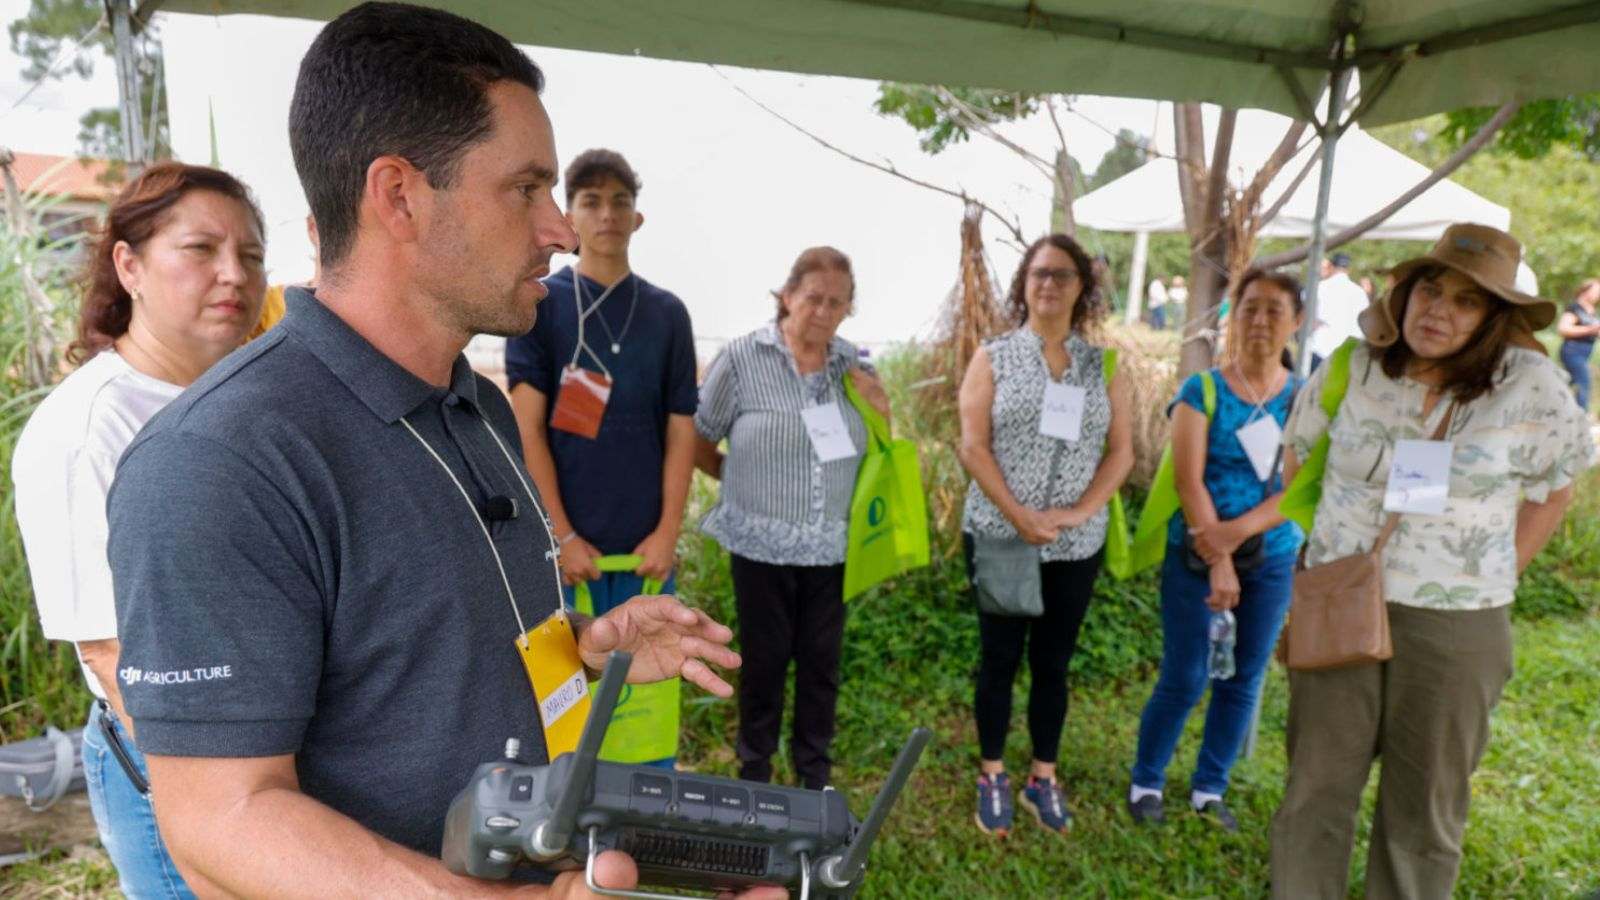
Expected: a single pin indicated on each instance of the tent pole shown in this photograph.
(1319, 223)
(128, 93)
(1141, 251)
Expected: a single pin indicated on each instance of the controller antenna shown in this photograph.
(839, 871)
(551, 837)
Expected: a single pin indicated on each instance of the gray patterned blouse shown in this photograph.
(1041, 471)
(778, 503)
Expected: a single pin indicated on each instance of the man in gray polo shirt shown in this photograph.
(325, 549)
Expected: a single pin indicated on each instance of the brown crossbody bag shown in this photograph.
(1338, 616)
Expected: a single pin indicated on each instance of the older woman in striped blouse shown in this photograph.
(794, 445)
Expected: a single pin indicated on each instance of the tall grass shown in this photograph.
(39, 680)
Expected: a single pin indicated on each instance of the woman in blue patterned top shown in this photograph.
(1228, 548)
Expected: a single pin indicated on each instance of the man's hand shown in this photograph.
(1216, 540)
(615, 871)
(871, 390)
(577, 561)
(666, 638)
(659, 550)
(1224, 586)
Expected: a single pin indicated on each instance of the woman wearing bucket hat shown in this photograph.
(1452, 343)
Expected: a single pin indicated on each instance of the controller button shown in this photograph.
(501, 823)
(501, 855)
(522, 788)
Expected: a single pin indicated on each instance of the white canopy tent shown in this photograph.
(1369, 175)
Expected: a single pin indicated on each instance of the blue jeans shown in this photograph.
(611, 590)
(124, 817)
(1575, 357)
(1263, 600)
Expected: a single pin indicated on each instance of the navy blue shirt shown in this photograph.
(295, 574)
(611, 486)
(1229, 476)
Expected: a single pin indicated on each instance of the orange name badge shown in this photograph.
(581, 402)
(560, 688)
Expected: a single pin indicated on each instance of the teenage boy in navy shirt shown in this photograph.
(621, 491)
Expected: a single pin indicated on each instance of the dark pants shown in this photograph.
(788, 613)
(1424, 715)
(1186, 645)
(1575, 357)
(1049, 640)
(1158, 318)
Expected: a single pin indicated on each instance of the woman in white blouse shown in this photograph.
(173, 282)
(1453, 331)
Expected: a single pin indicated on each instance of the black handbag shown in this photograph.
(1248, 557)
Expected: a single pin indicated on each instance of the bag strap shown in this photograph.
(1393, 521)
(877, 426)
(1208, 394)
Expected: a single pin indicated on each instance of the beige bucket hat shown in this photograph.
(1487, 255)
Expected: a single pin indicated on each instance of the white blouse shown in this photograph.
(62, 469)
(1520, 441)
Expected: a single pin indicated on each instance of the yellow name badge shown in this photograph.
(550, 654)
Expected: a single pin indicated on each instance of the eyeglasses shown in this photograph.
(1061, 277)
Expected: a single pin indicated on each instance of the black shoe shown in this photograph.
(1217, 813)
(1148, 811)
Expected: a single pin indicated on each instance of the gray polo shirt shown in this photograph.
(295, 574)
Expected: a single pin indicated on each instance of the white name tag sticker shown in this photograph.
(1419, 478)
(563, 699)
(829, 436)
(1260, 440)
(1062, 416)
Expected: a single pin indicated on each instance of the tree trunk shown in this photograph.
(1065, 193)
(1204, 190)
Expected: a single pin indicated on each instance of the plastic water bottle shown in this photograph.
(1219, 665)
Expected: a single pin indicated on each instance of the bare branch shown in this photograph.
(886, 167)
(1495, 123)
(1061, 134)
(1294, 185)
(978, 121)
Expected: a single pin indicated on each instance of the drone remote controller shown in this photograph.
(683, 830)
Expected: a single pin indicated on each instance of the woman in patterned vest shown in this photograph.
(1047, 443)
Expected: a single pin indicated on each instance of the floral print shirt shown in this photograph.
(1520, 441)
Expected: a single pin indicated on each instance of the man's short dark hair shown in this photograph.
(391, 78)
(592, 167)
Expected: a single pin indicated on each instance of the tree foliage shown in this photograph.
(924, 109)
(1538, 127)
(45, 38)
(1129, 152)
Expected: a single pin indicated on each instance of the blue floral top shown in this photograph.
(1229, 477)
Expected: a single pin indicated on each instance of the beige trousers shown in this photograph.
(1425, 715)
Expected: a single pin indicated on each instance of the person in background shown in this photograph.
(1228, 548)
(622, 490)
(1047, 491)
(274, 306)
(1157, 303)
(1578, 327)
(173, 282)
(794, 446)
(1339, 302)
(1452, 338)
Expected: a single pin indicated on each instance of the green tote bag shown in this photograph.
(644, 727)
(888, 532)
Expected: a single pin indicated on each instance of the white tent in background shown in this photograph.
(1370, 174)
